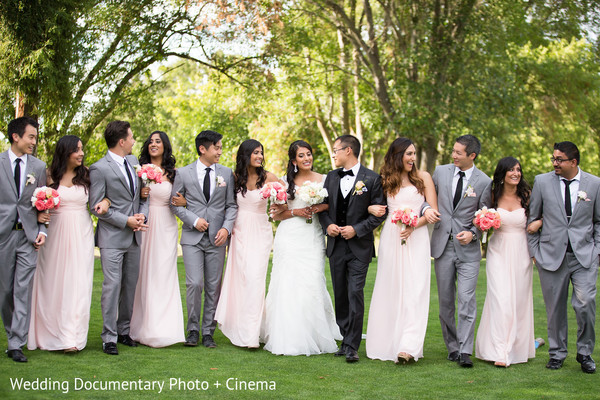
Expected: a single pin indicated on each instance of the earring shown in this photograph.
(295, 168)
(502, 182)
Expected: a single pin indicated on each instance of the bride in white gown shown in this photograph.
(299, 317)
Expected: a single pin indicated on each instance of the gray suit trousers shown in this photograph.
(203, 270)
(121, 269)
(456, 282)
(19, 259)
(555, 288)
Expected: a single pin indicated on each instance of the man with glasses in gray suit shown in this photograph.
(566, 250)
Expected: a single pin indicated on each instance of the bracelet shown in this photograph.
(292, 211)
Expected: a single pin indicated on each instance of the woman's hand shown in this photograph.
(405, 234)
(534, 226)
(145, 192)
(302, 212)
(178, 200)
(43, 217)
(102, 207)
(377, 210)
(277, 209)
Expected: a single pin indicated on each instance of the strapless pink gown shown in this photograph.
(157, 318)
(400, 304)
(62, 284)
(242, 300)
(505, 331)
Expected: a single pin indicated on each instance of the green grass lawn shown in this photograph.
(322, 376)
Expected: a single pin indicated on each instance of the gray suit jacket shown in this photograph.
(108, 181)
(10, 205)
(220, 211)
(455, 220)
(549, 246)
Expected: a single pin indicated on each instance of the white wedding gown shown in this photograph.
(298, 317)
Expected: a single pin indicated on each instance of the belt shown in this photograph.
(18, 226)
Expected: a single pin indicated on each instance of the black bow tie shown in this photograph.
(344, 173)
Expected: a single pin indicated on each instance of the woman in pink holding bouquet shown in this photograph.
(62, 284)
(240, 309)
(157, 318)
(400, 304)
(505, 335)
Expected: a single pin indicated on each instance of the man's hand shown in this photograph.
(221, 237)
(432, 216)
(465, 237)
(201, 225)
(333, 230)
(39, 241)
(347, 232)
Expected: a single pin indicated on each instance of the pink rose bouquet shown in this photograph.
(487, 219)
(149, 173)
(273, 192)
(45, 199)
(405, 217)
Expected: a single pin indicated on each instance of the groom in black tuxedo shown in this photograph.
(349, 228)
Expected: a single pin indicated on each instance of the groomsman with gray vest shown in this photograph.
(20, 233)
(566, 250)
(462, 189)
(118, 232)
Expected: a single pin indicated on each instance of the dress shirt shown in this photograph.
(120, 162)
(466, 178)
(573, 189)
(13, 157)
(201, 169)
(347, 182)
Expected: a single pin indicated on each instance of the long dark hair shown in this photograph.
(66, 146)
(242, 161)
(393, 166)
(290, 173)
(523, 188)
(168, 159)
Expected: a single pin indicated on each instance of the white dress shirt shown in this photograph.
(13, 158)
(201, 169)
(465, 178)
(121, 163)
(347, 182)
(573, 189)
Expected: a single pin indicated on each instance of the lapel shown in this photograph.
(471, 182)
(583, 183)
(359, 177)
(138, 181)
(196, 180)
(335, 188)
(5, 161)
(559, 200)
(450, 196)
(117, 170)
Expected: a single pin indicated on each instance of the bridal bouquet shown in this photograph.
(406, 217)
(311, 193)
(45, 199)
(273, 192)
(149, 173)
(487, 219)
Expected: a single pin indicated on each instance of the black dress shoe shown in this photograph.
(453, 356)
(207, 341)
(554, 363)
(587, 363)
(192, 339)
(110, 348)
(351, 355)
(126, 340)
(17, 355)
(341, 351)
(464, 360)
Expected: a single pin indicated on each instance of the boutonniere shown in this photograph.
(30, 179)
(359, 188)
(221, 181)
(470, 192)
(582, 196)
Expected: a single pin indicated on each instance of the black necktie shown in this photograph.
(344, 173)
(567, 197)
(18, 176)
(206, 188)
(459, 185)
(129, 177)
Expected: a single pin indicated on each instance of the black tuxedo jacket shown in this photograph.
(362, 245)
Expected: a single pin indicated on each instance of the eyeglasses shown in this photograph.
(334, 151)
(559, 160)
